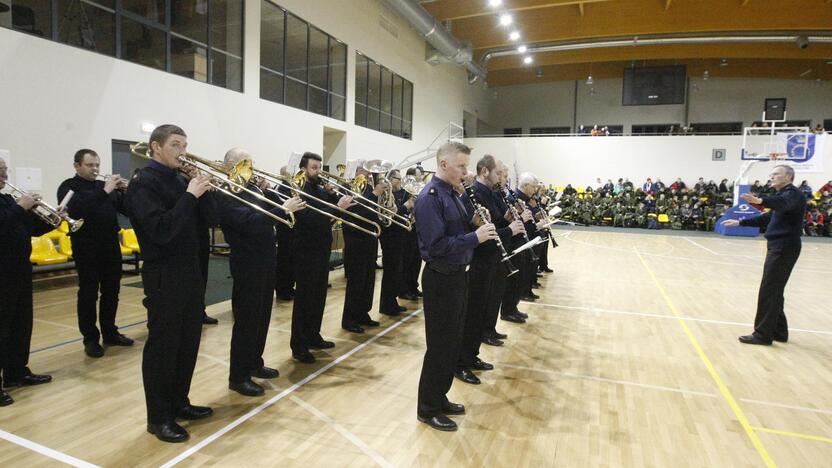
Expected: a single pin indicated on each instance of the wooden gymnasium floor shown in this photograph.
(630, 358)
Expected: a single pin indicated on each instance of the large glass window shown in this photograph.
(200, 39)
(300, 65)
(383, 99)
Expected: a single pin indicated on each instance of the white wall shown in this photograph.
(579, 160)
(56, 98)
(714, 100)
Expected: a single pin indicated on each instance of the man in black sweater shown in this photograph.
(784, 225)
(17, 226)
(96, 249)
(166, 216)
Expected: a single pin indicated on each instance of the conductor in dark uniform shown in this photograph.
(447, 244)
(17, 226)
(251, 235)
(313, 243)
(360, 251)
(166, 216)
(96, 249)
(784, 226)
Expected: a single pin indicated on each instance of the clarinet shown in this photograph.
(483, 213)
(516, 215)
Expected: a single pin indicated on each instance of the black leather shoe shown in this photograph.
(439, 422)
(467, 376)
(536, 285)
(401, 309)
(5, 399)
(168, 432)
(419, 293)
(529, 297)
(513, 318)
(206, 320)
(781, 338)
(247, 388)
(93, 350)
(547, 270)
(28, 380)
(522, 315)
(369, 323)
(353, 329)
(490, 341)
(453, 408)
(306, 358)
(265, 373)
(538, 275)
(193, 412)
(390, 313)
(481, 365)
(499, 336)
(118, 340)
(409, 297)
(323, 344)
(754, 339)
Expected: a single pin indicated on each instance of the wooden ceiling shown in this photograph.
(547, 21)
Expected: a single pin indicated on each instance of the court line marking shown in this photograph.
(263, 406)
(707, 249)
(55, 324)
(666, 317)
(732, 403)
(369, 451)
(44, 450)
(76, 340)
(794, 434)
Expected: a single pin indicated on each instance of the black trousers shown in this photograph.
(312, 274)
(445, 298)
(391, 254)
(204, 257)
(495, 299)
(544, 256)
(174, 298)
(360, 272)
(99, 269)
(481, 279)
(770, 321)
(284, 279)
(411, 263)
(514, 284)
(251, 304)
(15, 323)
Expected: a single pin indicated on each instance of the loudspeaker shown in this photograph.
(775, 109)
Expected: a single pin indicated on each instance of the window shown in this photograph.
(199, 39)
(300, 65)
(512, 131)
(827, 124)
(787, 123)
(656, 129)
(383, 99)
(548, 131)
(718, 128)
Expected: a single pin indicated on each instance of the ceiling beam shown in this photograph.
(669, 52)
(667, 4)
(444, 10)
(581, 8)
(745, 2)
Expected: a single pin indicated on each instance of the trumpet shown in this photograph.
(229, 181)
(48, 214)
(295, 185)
(354, 188)
(120, 185)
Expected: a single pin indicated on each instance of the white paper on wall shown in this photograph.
(29, 179)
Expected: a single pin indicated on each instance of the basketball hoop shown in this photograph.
(776, 156)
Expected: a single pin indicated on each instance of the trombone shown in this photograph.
(228, 180)
(296, 183)
(48, 214)
(387, 214)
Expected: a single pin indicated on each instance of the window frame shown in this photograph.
(405, 128)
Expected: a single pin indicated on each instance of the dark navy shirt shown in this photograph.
(97, 208)
(784, 223)
(488, 199)
(442, 225)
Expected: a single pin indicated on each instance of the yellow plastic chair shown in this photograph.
(65, 245)
(129, 240)
(64, 227)
(44, 253)
(663, 218)
(55, 234)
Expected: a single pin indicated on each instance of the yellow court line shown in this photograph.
(794, 434)
(732, 402)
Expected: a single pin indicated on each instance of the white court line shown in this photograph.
(55, 324)
(254, 412)
(43, 450)
(377, 457)
(662, 388)
(667, 317)
(705, 248)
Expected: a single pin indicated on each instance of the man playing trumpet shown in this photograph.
(96, 249)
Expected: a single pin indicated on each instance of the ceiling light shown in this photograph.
(522, 49)
(495, 3)
(505, 19)
(540, 73)
(589, 80)
(705, 75)
(514, 35)
(527, 60)
(723, 63)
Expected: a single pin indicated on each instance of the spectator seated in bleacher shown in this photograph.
(813, 224)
